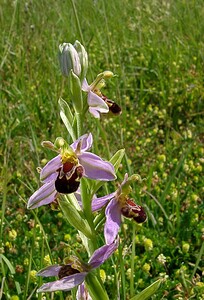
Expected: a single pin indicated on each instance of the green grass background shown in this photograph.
(156, 48)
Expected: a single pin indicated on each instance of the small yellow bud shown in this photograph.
(129, 273)
(60, 215)
(67, 237)
(33, 275)
(148, 244)
(200, 284)
(47, 260)
(161, 157)
(107, 74)
(26, 262)
(146, 268)
(44, 161)
(12, 235)
(140, 282)
(103, 275)
(194, 197)
(8, 244)
(185, 247)
(14, 297)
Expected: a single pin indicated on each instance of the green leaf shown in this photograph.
(96, 290)
(117, 158)
(9, 265)
(67, 117)
(75, 218)
(76, 91)
(149, 291)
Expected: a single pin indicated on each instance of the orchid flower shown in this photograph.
(98, 102)
(74, 272)
(119, 204)
(62, 174)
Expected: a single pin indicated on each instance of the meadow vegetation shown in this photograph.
(156, 48)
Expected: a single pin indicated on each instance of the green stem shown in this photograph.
(79, 124)
(88, 214)
(132, 262)
(96, 290)
(122, 267)
(77, 21)
(30, 264)
(198, 260)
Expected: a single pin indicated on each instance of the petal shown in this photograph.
(113, 221)
(82, 293)
(96, 168)
(125, 179)
(86, 141)
(102, 254)
(77, 194)
(85, 86)
(65, 284)
(98, 203)
(97, 103)
(49, 171)
(49, 271)
(94, 112)
(44, 195)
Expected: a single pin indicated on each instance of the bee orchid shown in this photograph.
(75, 271)
(62, 174)
(98, 102)
(118, 204)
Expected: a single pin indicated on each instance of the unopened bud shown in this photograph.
(59, 142)
(107, 74)
(83, 57)
(69, 59)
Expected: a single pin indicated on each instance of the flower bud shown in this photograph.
(83, 57)
(185, 247)
(148, 244)
(69, 59)
(107, 74)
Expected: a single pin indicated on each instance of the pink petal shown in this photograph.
(86, 141)
(44, 195)
(49, 171)
(102, 254)
(113, 221)
(94, 112)
(85, 86)
(96, 168)
(97, 103)
(49, 271)
(98, 203)
(65, 284)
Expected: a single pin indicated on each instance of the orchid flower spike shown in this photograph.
(119, 204)
(62, 174)
(98, 102)
(74, 272)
